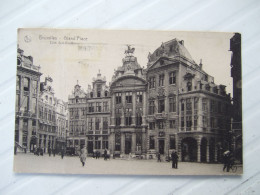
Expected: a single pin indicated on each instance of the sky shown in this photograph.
(76, 55)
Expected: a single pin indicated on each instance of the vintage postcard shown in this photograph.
(128, 102)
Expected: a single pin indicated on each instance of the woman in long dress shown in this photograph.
(83, 155)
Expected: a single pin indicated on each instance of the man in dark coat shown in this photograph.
(105, 154)
(49, 151)
(175, 158)
(62, 153)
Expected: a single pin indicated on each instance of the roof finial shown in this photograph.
(77, 82)
(200, 64)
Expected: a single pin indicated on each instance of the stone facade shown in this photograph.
(187, 110)
(27, 91)
(89, 116)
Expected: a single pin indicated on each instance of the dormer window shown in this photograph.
(106, 93)
(189, 86)
(98, 94)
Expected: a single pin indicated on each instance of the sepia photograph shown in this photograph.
(128, 102)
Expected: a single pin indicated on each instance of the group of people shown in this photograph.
(174, 158)
(83, 155)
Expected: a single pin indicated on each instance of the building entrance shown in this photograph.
(189, 149)
(128, 143)
(161, 146)
(90, 147)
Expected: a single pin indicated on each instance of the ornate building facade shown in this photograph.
(89, 116)
(27, 91)
(173, 104)
(187, 111)
(128, 108)
(47, 130)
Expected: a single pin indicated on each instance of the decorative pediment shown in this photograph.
(188, 76)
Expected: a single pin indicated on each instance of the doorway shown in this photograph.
(128, 143)
(161, 146)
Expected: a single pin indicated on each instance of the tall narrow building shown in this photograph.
(27, 91)
(128, 111)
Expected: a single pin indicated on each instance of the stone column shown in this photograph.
(113, 109)
(198, 149)
(122, 143)
(133, 146)
(144, 109)
(207, 152)
(123, 110)
(20, 131)
(199, 120)
(144, 141)
(111, 142)
(134, 109)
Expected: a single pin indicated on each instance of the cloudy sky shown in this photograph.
(93, 50)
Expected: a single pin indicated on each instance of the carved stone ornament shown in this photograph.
(161, 92)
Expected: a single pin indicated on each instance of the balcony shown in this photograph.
(160, 116)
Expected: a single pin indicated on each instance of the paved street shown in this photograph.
(30, 163)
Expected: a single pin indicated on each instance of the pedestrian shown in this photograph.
(49, 151)
(159, 157)
(62, 153)
(226, 160)
(83, 155)
(105, 154)
(175, 158)
(54, 151)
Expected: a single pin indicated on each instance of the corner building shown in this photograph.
(187, 111)
(27, 92)
(128, 108)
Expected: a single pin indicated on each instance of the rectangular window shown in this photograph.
(128, 120)
(118, 111)
(34, 85)
(212, 106)
(161, 80)
(118, 121)
(161, 106)
(152, 142)
(105, 123)
(172, 104)
(91, 107)
(97, 122)
(152, 125)
(182, 122)
(128, 97)
(105, 106)
(140, 96)
(98, 107)
(26, 84)
(117, 142)
(196, 103)
(182, 106)
(118, 98)
(172, 124)
(98, 144)
(195, 122)
(172, 142)
(204, 105)
(105, 143)
(26, 103)
(172, 78)
(152, 82)
(151, 107)
(90, 124)
(161, 124)
(188, 123)
(139, 120)
(205, 122)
